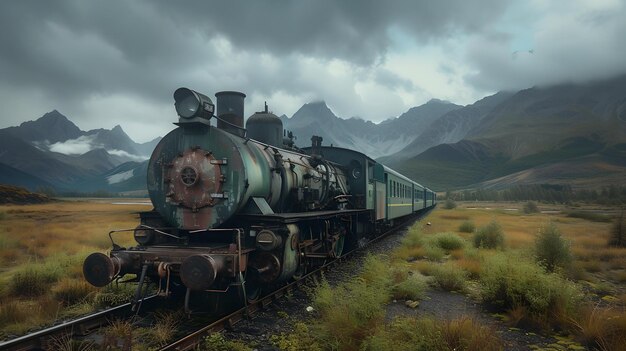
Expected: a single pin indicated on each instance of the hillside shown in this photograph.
(52, 152)
(20, 196)
(566, 134)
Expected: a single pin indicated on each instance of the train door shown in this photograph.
(381, 204)
(387, 195)
(371, 196)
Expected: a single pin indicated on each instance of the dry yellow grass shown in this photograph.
(54, 238)
(588, 239)
(31, 233)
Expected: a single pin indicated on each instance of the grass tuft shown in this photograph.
(450, 277)
(490, 236)
(421, 334)
(33, 281)
(509, 283)
(530, 207)
(412, 288)
(551, 249)
(449, 204)
(467, 227)
(447, 241)
(601, 328)
(71, 291)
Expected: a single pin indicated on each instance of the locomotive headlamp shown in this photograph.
(190, 104)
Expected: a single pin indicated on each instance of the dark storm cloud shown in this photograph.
(353, 30)
(75, 53)
(71, 47)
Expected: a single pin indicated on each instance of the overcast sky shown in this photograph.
(103, 63)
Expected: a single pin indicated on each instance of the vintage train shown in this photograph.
(239, 209)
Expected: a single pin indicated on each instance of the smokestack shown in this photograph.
(230, 111)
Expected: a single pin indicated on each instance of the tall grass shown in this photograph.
(425, 334)
(490, 236)
(450, 277)
(511, 282)
(33, 280)
(412, 287)
(349, 311)
(551, 249)
(467, 227)
(601, 328)
(447, 241)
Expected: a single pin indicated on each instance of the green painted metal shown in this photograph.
(247, 169)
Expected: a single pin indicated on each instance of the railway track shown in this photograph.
(42, 339)
(190, 341)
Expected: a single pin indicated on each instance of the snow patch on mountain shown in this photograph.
(120, 177)
(128, 155)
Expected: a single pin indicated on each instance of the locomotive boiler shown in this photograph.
(238, 209)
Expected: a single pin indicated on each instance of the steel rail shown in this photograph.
(80, 326)
(190, 341)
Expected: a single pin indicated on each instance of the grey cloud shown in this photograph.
(67, 53)
(573, 47)
(71, 47)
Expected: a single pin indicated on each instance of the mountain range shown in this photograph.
(564, 134)
(53, 153)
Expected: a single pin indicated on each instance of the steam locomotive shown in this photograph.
(241, 209)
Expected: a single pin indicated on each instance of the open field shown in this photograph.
(41, 252)
(593, 260)
(500, 259)
(42, 248)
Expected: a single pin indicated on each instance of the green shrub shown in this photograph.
(551, 249)
(618, 231)
(433, 252)
(447, 241)
(450, 277)
(449, 204)
(413, 237)
(69, 291)
(349, 311)
(412, 288)
(33, 280)
(490, 236)
(530, 207)
(467, 227)
(303, 338)
(376, 272)
(114, 294)
(421, 334)
(405, 334)
(509, 282)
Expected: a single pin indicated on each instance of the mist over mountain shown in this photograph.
(52, 152)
